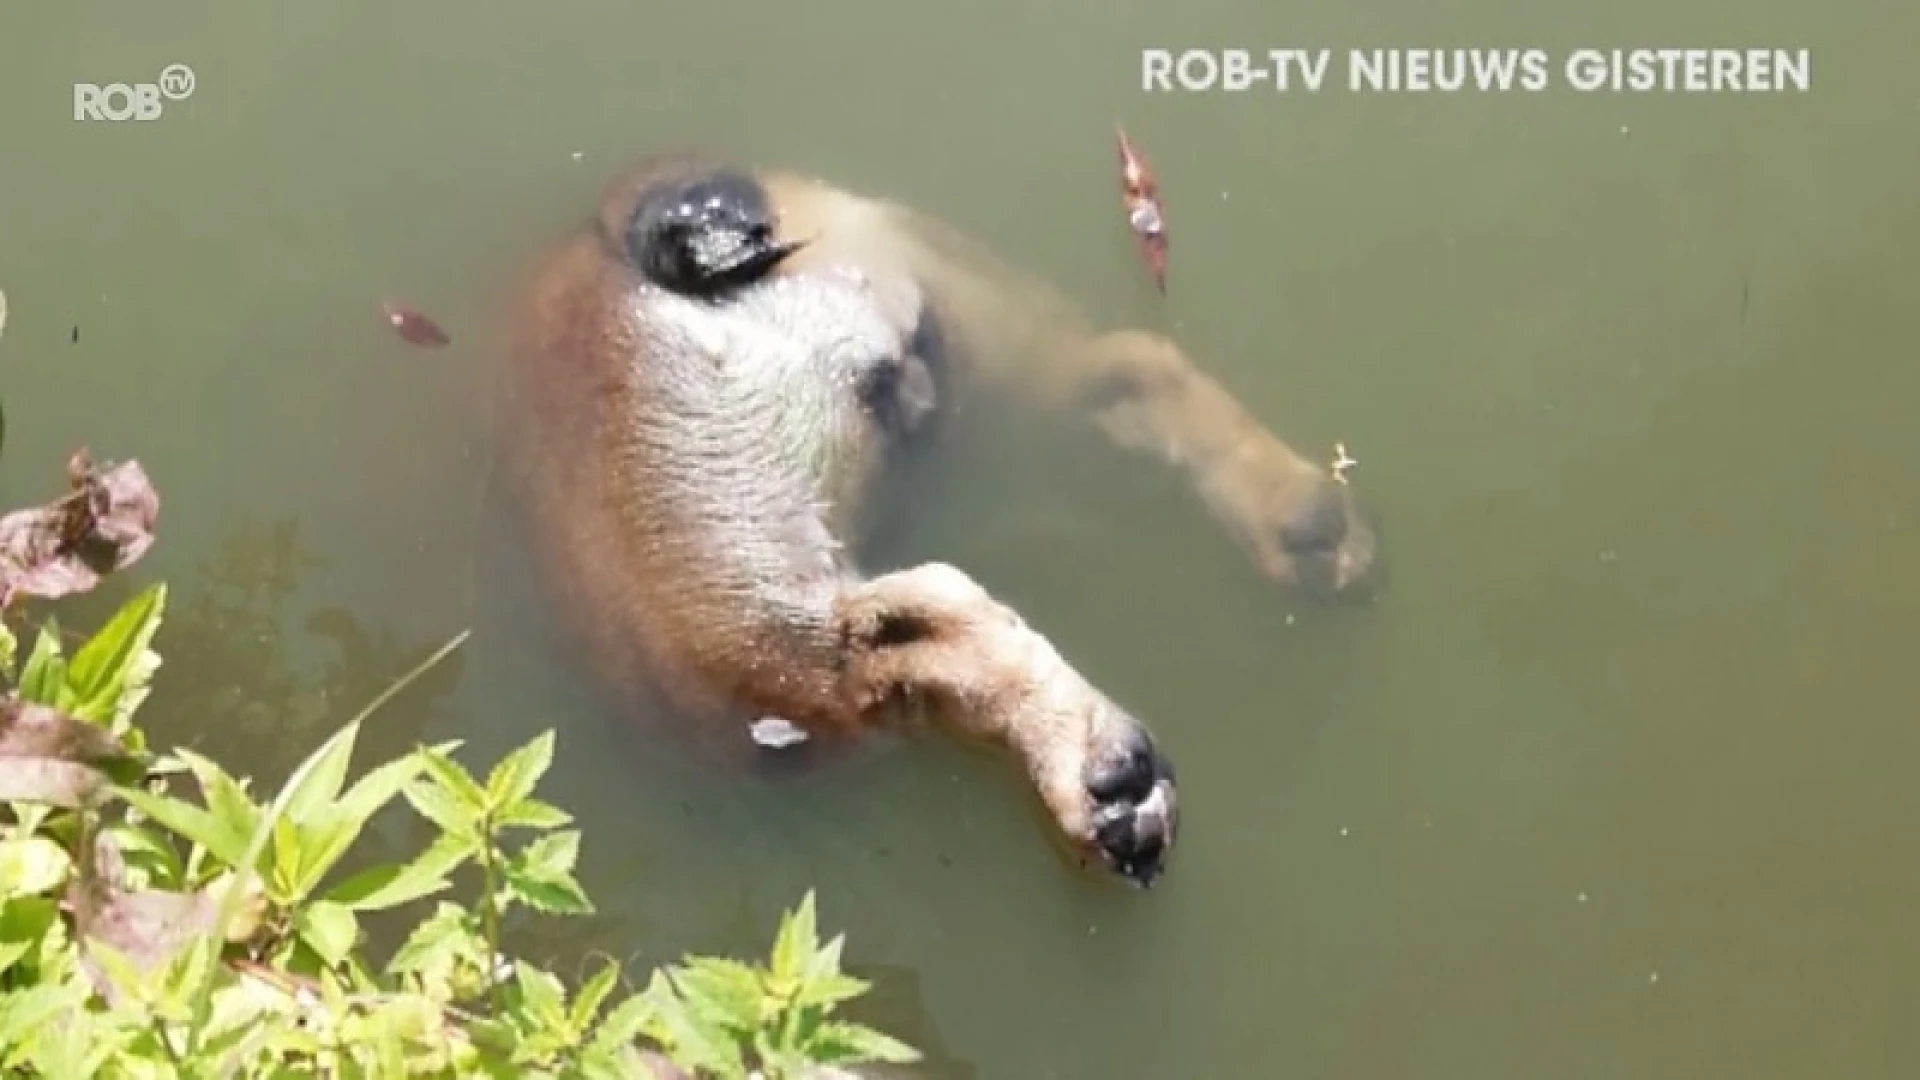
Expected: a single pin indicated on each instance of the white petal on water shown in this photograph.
(776, 733)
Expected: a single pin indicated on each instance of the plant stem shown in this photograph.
(490, 910)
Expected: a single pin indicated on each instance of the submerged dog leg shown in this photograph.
(1294, 518)
(933, 636)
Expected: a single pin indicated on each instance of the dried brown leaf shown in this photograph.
(146, 929)
(104, 524)
(49, 757)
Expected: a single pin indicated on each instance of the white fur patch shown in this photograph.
(775, 733)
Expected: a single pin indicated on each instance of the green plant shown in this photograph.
(146, 935)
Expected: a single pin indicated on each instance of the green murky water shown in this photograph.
(1615, 781)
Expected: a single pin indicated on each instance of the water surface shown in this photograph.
(1615, 781)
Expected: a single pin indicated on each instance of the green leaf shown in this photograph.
(24, 922)
(514, 778)
(443, 936)
(690, 1040)
(189, 821)
(45, 675)
(541, 875)
(454, 780)
(532, 814)
(797, 941)
(438, 805)
(381, 887)
(551, 896)
(541, 995)
(722, 990)
(320, 786)
(372, 792)
(32, 864)
(99, 671)
(823, 986)
(329, 929)
(852, 1044)
(624, 1024)
(226, 798)
(587, 1004)
(9, 650)
(552, 855)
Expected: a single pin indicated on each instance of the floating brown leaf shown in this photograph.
(49, 757)
(105, 523)
(415, 328)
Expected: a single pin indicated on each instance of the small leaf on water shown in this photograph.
(413, 327)
(49, 757)
(103, 525)
(514, 778)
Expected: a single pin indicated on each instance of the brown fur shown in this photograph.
(691, 573)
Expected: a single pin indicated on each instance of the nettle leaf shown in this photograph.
(381, 887)
(797, 942)
(514, 778)
(586, 1005)
(823, 986)
(435, 803)
(45, 675)
(98, 674)
(725, 991)
(624, 1024)
(442, 938)
(454, 780)
(320, 785)
(542, 996)
(47, 756)
(190, 821)
(532, 814)
(541, 875)
(236, 814)
(329, 929)
(27, 1013)
(853, 1044)
(693, 1041)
